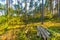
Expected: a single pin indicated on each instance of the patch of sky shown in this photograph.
(22, 3)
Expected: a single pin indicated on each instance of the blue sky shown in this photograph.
(14, 1)
(23, 4)
(3, 2)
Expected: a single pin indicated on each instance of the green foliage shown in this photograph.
(48, 14)
(21, 35)
(55, 28)
(30, 35)
(54, 31)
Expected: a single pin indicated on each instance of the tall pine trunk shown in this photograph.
(7, 6)
(51, 7)
(26, 20)
(42, 15)
(18, 9)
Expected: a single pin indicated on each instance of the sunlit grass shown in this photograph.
(16, 23)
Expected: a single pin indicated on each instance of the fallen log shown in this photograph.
(42, 32)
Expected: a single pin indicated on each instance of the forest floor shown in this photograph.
(14, 25)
